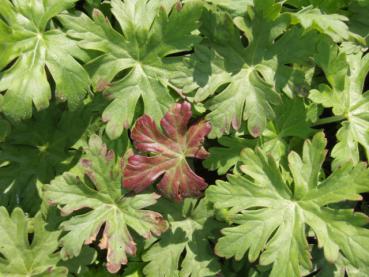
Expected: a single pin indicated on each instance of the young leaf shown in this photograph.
(27, 38)
(271, 214)
(191, 226)
(108, 208)
(19, 256)
(171, 149)
(151, 30)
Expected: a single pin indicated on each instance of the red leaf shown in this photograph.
(171, 149)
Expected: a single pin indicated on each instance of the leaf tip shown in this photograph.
(102, 85)
(179, 6)
(255, 131)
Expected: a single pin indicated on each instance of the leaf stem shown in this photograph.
(328, 120)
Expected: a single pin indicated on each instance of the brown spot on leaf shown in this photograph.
(155, 196)
(108, 96)
(126, 125)
(103, 242)
(91, 176)
(131, 248)
(102, 85)
(64, 212)
(113, 268)
(86, 163)
(103, 149)
(96, 13)
(162, 225)
(124, 159)
(236, 123)
(147, 235)
(105, 118)
(179, 6)
(51, 202)
(216, 252)
(255, 131)
(91, 239)
(110, 155)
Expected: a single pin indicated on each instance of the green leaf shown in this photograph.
(226, 157)
(23, 257)
(134, 269)
(340, 268)
(290, 122)
(28, 38)
(346, 73)
(234, 7)
(358, 23)
(4, 129)
(97, 272)
(271, 214)
(108, 209)
(243, 83)
(150, 31)
(184, 250)
(79, 265)
(265, 74)
(330, 6)
(36, 151)
(291, 119)
(333, 25)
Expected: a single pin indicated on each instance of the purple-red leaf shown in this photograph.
(171, 148)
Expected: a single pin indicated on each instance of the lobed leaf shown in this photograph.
(184, 250)
(109, 209)
(30, 47)
(271, 214)
(241, 77)
(346, 74)
(22, 257)
(150, 31)
(171, 149)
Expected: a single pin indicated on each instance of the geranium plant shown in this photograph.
(184, 138)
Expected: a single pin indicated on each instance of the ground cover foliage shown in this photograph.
(184, 138)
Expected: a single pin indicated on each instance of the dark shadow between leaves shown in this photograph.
(39, 149)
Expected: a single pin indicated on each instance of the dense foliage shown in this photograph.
(184, 138)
